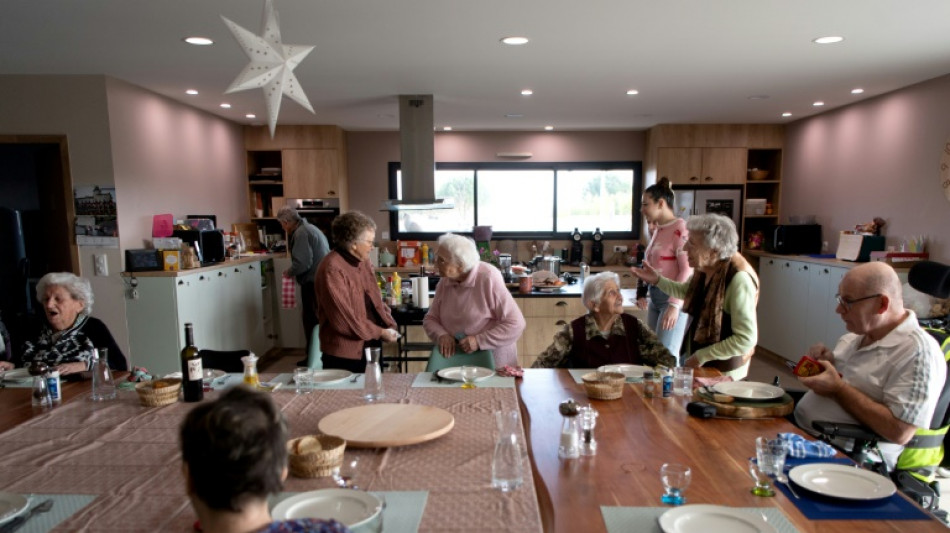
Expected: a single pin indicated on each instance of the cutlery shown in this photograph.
(355, 377)
(783, 479)
(18, 522)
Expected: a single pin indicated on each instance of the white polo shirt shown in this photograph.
(905, 371)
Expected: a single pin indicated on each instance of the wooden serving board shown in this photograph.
(740, 408)
(386, 425)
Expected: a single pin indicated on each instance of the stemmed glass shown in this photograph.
(345, 475)
(468, 376)
(676, 478)
(763, 483)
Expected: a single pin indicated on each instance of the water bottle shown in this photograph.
(507, 462)
(103, 386)
(373, 378)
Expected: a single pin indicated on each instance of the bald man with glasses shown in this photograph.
(886, 373)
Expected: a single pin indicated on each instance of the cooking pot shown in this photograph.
(550, 263)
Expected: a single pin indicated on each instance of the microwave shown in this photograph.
(795, 239)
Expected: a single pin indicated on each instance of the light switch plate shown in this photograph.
(101, 267)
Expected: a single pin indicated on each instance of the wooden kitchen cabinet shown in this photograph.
(702, 166)
(543, 318)
(313, 173)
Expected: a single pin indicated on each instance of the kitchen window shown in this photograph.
(527, 200)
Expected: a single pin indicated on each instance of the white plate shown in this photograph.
(631, 371)
(11, 505)
(842, 481)
(17, 374)
(212, 374)
(543, 288)
(749, 390)
(713, 519)
(330, 376)
(454, 373)
(351, 507)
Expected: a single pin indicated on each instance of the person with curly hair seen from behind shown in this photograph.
(350, 309)
(234, 455)
(65, 340)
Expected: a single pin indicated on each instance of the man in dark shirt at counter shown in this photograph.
(307, 246)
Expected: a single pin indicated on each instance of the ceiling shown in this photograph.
(692, 61)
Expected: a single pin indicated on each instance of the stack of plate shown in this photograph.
(352, 508)
(833, 480)
(11, 505)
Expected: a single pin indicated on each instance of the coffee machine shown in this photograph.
(504, 263)
(597, 249)
(577, 248)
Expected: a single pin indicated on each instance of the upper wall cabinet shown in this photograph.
(312, 173)
(702, 166)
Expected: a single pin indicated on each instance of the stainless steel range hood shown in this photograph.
(417, 148)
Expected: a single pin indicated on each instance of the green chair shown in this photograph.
(437, 361)
(314, 356)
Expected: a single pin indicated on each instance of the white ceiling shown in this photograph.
(693, 61)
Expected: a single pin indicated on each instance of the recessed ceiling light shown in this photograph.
(857, 90)
(250, 115)
(515, 41)
(831, 39)
(526, 92)
(191, 92)
(818, 104)
(446, 128)
(759, 97)
(199, 41)
(633, 92)
(514, 115)
(226, 105)
(548, 128)
(786, 114)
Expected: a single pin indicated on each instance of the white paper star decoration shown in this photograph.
(272, 64)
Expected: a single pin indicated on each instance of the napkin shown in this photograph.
(288, 293)
(700, 381)
(800, 447)
(510, 371)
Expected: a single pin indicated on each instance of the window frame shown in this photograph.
(635, 215)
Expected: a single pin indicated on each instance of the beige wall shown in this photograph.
(369, 153)
(876, 158)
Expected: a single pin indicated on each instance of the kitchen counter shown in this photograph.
(809, 259)
(209, 268)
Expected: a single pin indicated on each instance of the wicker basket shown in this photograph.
(152, 397)
(758, 174)
(312, 461)
(604, 385)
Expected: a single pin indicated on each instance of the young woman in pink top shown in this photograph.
(665, 254)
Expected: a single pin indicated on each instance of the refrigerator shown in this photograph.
(701, 199)
(15, 298)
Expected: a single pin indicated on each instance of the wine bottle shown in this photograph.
(191, 371)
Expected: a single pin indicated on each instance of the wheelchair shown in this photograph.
(916, 468)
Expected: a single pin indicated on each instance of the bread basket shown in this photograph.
(315, 455)
(756, 174)
(604, 385)
(166, 394)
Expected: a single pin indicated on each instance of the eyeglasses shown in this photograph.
(371, 243)
(847, 304)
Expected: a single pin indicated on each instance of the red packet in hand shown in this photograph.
(807, 367)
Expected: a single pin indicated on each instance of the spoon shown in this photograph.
(783, 479)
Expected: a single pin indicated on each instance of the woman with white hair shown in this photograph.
(67, 337)
(472, 309)
(605, 335)
(720, 296)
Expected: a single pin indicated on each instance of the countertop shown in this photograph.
(816, 260)
(210, 268)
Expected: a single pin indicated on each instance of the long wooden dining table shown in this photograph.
(127, 457)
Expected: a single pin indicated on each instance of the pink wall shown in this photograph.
(369, 153)
(876, 158)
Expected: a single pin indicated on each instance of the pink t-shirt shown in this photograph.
(665, 253)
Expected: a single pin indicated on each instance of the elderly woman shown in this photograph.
(350, 309)
(720, 296)
(67, 337)
(472, 309)
(605, 335)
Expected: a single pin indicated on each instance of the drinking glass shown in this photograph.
(675, 478)
(468, 376)
(303, 380)
(682, 381)
(345, 475)
(763, 483)
(771, 455)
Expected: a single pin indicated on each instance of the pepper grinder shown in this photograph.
(569, 447)
(588, 419)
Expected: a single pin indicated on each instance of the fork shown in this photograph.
(18, 522)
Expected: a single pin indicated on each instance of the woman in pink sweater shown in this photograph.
(665, 253)
(472, 309)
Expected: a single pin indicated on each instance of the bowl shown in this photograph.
(756, 174)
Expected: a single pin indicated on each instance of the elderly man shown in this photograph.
(308, 246)
(891, 370)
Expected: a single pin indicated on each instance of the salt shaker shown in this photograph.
(41, 397)
(569, 447)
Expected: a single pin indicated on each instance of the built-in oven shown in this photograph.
(318, 211)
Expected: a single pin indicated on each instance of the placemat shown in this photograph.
(427, 379)
(403, 512)
(577, 373)
(64, 506)
(815, 507)
(18, 383)
(645, 519)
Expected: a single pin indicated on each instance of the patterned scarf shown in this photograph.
(57, 347)
(704, 300)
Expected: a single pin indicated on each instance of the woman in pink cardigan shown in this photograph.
(665, 254)
(472, 309)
